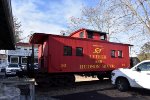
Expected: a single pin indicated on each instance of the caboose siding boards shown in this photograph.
(91, 34)
(83, 51)
(96, 55)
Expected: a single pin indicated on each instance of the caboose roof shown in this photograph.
(25, 44)
(87, 30)
(39, 38)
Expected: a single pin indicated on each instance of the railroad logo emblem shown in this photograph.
(97, 50)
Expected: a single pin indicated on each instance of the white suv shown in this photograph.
(11, 69)
(138, 76)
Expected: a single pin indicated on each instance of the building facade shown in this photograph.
(3, 58)
(19, 56)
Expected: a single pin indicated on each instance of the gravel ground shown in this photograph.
(90, 90)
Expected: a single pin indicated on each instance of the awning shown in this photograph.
(38, 38)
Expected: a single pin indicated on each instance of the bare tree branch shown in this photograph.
(130, 6)
(145, 12)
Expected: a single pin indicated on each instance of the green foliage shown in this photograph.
(145, 56)
(145, 52)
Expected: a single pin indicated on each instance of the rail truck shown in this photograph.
(84, 51)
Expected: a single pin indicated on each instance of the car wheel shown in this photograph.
(122, 84)
(6, 74)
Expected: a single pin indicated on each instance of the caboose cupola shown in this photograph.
(90, 34)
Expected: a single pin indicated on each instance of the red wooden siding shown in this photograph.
(96, 53)
(90, 61)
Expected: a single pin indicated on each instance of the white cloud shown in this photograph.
(52, 16)
(49, 16)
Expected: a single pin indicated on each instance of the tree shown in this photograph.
(145, 52)
(135, 16)
(18, 30)
(97, 18)
(115, 16)
(128, 18)
(138, 9)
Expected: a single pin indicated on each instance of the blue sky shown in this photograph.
(47, 16)
(51, 16)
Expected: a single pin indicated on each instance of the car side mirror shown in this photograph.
(138, 69)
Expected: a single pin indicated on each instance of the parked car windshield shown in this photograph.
(144, 66)
(13, 65)
(35, 66)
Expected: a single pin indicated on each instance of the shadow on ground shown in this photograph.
(92, 90)
(104, 94)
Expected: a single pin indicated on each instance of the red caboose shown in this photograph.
(84, 51)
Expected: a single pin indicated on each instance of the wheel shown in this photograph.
(70, 80)
(122, 84)
(19, 74)
(65, 80)
(101, 78)
(6, 74)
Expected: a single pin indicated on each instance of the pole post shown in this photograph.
(32, 55)
(31, 71)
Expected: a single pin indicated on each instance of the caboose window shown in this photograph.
(102, 37)
(81, 35)
(120, 54)
(113, 53)
(79, 51)
(67, 51)
(90, 35)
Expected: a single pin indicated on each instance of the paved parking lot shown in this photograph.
(104, 94)
(90, 90)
